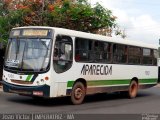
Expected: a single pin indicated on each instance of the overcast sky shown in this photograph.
(139, 18)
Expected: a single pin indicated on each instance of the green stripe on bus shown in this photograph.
(28, 77)
(112, 82)
(70, 83)
(107, 82)
(148, 80)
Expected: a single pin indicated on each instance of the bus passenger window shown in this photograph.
(119, 53)
(155, 56)
(134, 55)
(87, 50)
(82, 50)
(107, 52)
(96, 52)
(147, 56)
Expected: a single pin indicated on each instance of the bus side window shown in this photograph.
(103, 51)
(63, 52)
(119, 53)
(147, 56)
(87, 50)
(155, 56)
(96, 52)
(134, 55)
(82, 50)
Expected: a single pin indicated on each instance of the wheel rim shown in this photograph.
(78, 93)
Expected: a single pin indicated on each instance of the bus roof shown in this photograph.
(94, 36)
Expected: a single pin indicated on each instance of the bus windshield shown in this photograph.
(28, 54)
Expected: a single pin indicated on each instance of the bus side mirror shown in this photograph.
(59, 37)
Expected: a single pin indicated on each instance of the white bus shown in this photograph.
(53, 62)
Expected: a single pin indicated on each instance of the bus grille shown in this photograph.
(21, 82)
(20, 92)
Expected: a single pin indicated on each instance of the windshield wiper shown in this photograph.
(23, 56)
(44, 44)
(17, 48)
(46, 54)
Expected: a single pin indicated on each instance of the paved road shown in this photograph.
(148, 101)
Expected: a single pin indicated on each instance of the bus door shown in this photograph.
(63, 54)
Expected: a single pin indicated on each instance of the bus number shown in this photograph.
(147, 73)
(10, 75)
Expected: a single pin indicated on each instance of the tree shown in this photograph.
(89, 19)
(72, 14)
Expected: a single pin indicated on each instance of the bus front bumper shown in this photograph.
(41, 91)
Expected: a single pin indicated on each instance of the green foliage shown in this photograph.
(3, 29)
(8, 21)
(79, 15)
(88, 18)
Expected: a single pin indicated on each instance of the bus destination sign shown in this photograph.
(30, 32)
(35, 32)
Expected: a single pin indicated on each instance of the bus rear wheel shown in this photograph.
(78, 93)
(133, 89)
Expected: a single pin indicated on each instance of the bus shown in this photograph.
(49, 62)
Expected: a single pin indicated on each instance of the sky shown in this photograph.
(139, 18)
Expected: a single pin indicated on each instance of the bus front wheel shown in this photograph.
(78, 93)
(133, 89)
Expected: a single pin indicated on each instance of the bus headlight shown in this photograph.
(42, 80)
(37, 82)
(46, 78)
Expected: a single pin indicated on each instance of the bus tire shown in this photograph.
(133, 89)
(78, 93)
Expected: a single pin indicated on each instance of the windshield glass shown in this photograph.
(28, 54)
